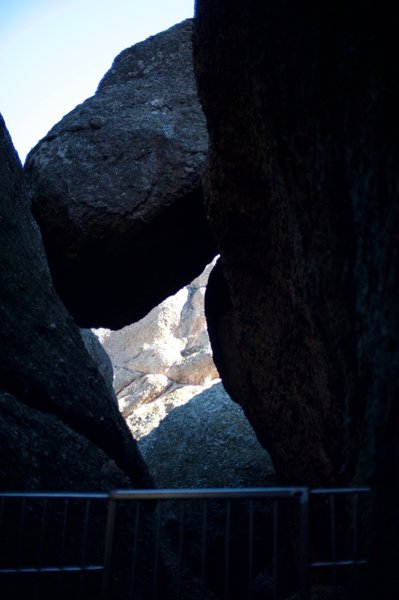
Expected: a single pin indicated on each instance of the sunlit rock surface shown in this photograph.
(162, 360)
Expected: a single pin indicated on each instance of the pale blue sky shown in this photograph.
(53, 54)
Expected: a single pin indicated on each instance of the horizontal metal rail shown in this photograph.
(339, 491)
(55, 495)
(337, 563)
(215, 493)
(170, 493)
(67, 569)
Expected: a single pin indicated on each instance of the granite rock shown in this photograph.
(117, 186)
(206, 442)
(302, 197)
(44, 366)
(166, 350)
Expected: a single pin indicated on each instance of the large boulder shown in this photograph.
(117, 186)
(302, 197)
(165, 351)
(206, 442)
(54, 401)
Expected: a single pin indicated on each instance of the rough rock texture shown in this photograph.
(46, 374)
(31, 441)
(168, 349)
(302, 191)
(147, 416)
(117, 186)
(207, 442)
(283, 356)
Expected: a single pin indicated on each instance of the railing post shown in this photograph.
(109, 540)
(276, 550)
(304, 544)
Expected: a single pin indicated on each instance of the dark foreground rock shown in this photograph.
(60, 428)
(45, 367)
(117, 186)
(302, 190)
(31, 443)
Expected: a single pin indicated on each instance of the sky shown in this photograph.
(53, 54)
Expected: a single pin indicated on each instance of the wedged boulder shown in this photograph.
(45, 369)
(165, 351)
(117, 187)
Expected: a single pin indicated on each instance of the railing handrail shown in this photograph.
(341, 490)
(179, 493)
(61, 495)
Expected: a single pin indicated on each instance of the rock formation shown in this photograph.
(301, 196)
(301, 188)
(165, 354)
(41, 452)
(206, 442)
(117, 186)
(55, 406)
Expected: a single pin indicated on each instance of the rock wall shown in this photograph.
(55, 406)
(117, 186)
(302, 187)
(287, 339)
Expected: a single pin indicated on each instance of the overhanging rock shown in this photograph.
(117, 188)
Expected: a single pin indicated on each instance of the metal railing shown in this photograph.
(184, 544)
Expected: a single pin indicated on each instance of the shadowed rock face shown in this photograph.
(302, 187)
(278, 206)
(32, 460)
(48, 381)
(117, 186)
(100, 357)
